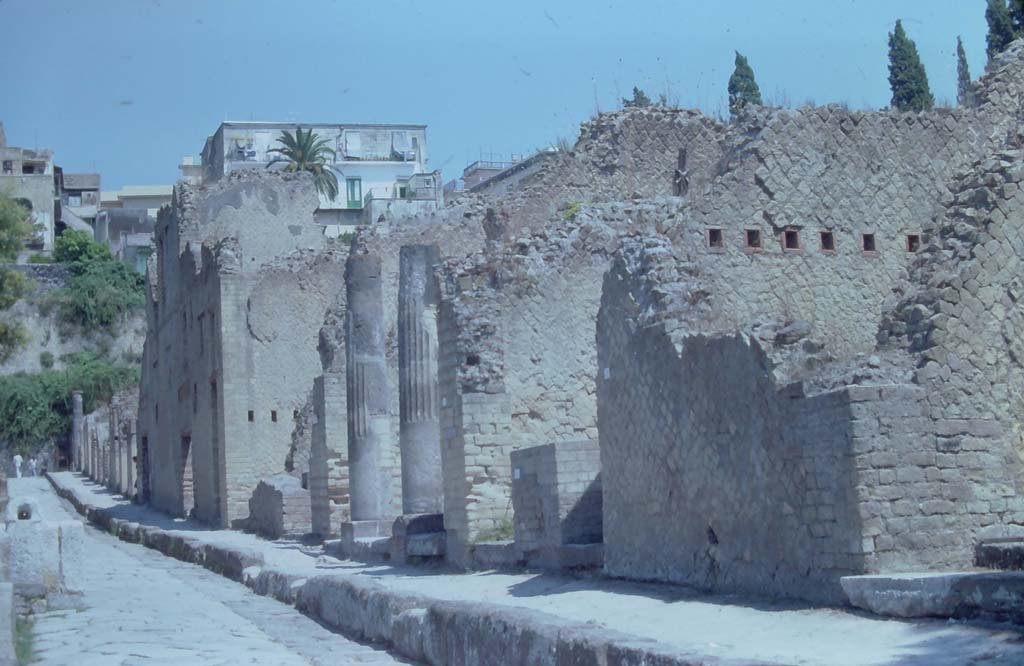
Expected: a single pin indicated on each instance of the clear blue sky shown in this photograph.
(127, 87)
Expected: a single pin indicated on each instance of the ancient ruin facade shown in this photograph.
(237, 293)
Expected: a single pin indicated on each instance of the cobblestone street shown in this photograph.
(141, 607)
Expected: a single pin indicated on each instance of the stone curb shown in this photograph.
(421, 628)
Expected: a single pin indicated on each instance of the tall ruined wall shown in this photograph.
(905, 471)
(237, 296)
(965, 321)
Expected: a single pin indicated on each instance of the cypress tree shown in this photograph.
(743, 88)
(1000, 27)
(1017, 16)
(907, 77)
(964, 95)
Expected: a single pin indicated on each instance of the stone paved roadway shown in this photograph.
(141, 607)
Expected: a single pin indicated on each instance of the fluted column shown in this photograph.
(77, 453)
(419, 433)
(369, 425)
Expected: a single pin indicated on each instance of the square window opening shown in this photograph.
(791, 239)
(828, 241)
(867, 243)
(753, 237)
(273, 415)
(252, 416)
(913, 242)
(715, 238)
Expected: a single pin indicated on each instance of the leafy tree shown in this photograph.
(907, 77)
(74, 246)
(964, 94)
(743, 88)
(15, 227)
(640, 98)
(36, 407)
(1000, 26)
(101, 289)
(307, 152)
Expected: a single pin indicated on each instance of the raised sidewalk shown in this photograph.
(440, 617)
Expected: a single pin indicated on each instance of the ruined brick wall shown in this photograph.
(964, 321)
(556, 494)
(237, 296)
(279, 507)
(712, 475)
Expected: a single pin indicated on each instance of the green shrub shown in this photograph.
(572, 211)
(37, 258)
(46, 360)
(101, 290)
(13, 337)
(79, 246)
(35, 407)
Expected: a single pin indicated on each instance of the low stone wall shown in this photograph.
(280, 507)
(556, 497)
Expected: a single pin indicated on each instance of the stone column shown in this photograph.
(77, 454)
(129, 464)
(369, 425)
(419, 433)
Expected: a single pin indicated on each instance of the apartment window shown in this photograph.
(753, 240)
(867, 243)
(273, 415)
(791, 239)
(715, 239)
(913, 242)
(828, 241)
(8, 167)
(74, 200)
(28, 168)
(252, 416)
(354, 192)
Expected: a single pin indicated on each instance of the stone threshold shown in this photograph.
(419, 627)
(987, 595)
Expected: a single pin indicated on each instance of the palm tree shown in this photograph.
(308, 152)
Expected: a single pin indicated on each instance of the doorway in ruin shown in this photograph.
(185, 476)
(143, 469)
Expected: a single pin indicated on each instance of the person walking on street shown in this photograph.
(17, 464)
(33, 465)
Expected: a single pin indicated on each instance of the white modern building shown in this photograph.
(379, 167)
(134, 197)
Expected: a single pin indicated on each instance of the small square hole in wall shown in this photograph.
(828, 241)
(715, 239)
(252, 416)
(273, 415)
(791, 239)
(867, 242)
(295, 414)
(913, 242)
(753, 239)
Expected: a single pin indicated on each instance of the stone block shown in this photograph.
(73, 560)
(1005, 554)
(35, 565)
(7, 656)
(995, 596)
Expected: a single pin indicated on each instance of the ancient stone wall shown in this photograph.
(237, 295)
(279, 507)
(556, 494)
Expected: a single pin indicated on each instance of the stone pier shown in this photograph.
(77, 453)
(369, 425)
(419, 434)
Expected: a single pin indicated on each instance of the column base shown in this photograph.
(365, 540)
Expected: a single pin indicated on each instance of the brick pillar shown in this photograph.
(419, 433)
(369, 425)
(328, 492)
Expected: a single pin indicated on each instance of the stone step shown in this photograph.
(992, 595)
(1005, 554)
